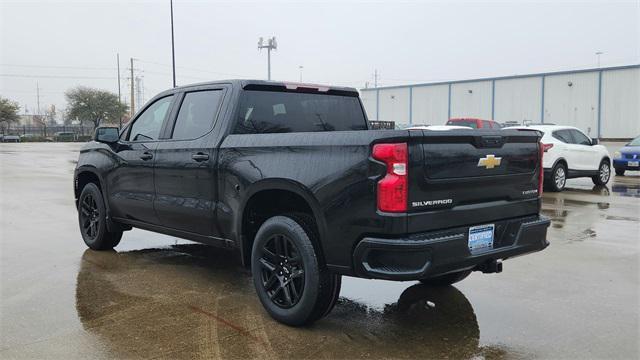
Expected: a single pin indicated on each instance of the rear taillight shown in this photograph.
(392, 189)
(541, 150)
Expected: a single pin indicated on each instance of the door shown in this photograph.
(185, 171)
(130, 184)
(588, 156)
(569, 150)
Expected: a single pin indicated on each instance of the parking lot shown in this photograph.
(161, 297)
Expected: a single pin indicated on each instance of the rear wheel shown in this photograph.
(558, 178)
(92, 218)
(604, 173)
(447, 279)
(620, 172)
(293, 284)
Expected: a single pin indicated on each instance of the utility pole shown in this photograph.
(173, 51)
(38, 96)
(270, 45)
(139, 90)
(598, 53)
(119, 96)
(375, 78)
(133, 102)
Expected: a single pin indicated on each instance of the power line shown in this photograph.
(58, 76)
(58, 67)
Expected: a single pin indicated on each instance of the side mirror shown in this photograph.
(107, 135)
(594, 141)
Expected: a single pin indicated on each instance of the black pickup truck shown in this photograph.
(291, 177)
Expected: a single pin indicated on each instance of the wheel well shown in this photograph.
(561, 161)
(264, 205)
(83, 179)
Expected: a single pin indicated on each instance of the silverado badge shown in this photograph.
(490, 161)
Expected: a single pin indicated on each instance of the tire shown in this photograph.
(604, 173)
(92, 219)
(447, 279)
(619, 172)
(291, 280)
(558, 179)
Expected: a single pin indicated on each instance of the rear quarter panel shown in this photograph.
(331, 170)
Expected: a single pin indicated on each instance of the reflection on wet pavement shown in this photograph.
(196, 302)
(160, 297)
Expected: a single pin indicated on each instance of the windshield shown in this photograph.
(635, 142)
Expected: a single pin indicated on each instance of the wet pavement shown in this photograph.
(160, 297)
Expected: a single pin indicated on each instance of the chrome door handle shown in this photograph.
(200, 157)
(146, 156)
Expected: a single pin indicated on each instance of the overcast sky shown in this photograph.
(68, 43)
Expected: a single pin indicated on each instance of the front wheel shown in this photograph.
(290, 279)
(446, 279)
(92, 218)
(619, 172)
(604, 173)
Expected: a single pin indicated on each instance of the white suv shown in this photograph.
(569, 153)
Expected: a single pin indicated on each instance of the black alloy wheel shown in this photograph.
(282, 272)
(89, 217)
(92, 218)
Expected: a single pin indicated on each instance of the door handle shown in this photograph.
(146, 156)
(200, 156)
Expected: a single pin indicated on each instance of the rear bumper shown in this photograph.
(424, 255)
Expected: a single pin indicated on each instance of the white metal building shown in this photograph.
(603, 102)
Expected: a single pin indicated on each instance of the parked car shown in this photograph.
(290, 177)
(474, 123)
(63, 136)
(11, 138)
(569, 153)
(438, 127)
(628, 157)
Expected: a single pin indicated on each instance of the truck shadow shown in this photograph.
(187, 301)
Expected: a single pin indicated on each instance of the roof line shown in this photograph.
(632, 66)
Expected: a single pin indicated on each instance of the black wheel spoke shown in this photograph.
(270, 256)
(276, 292)
(270, 281)
(294, 290)
(297, 273)
(267, 265)
(278, 242)
(287, 295)
(282, 271)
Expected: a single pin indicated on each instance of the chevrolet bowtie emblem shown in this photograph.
(490, 161)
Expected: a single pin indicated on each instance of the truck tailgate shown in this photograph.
(465, 177)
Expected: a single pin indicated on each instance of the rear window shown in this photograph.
(469, 123)
(282, 112)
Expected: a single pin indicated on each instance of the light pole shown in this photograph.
(173, 50)
(300, 67)
(598, 53)
(119, 95)
(270, 45)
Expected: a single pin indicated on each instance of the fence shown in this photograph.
(48, 131)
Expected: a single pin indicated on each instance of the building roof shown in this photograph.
(576, 71)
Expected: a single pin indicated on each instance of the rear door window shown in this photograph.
(197, 114)
(563, 135)
(282, 112)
